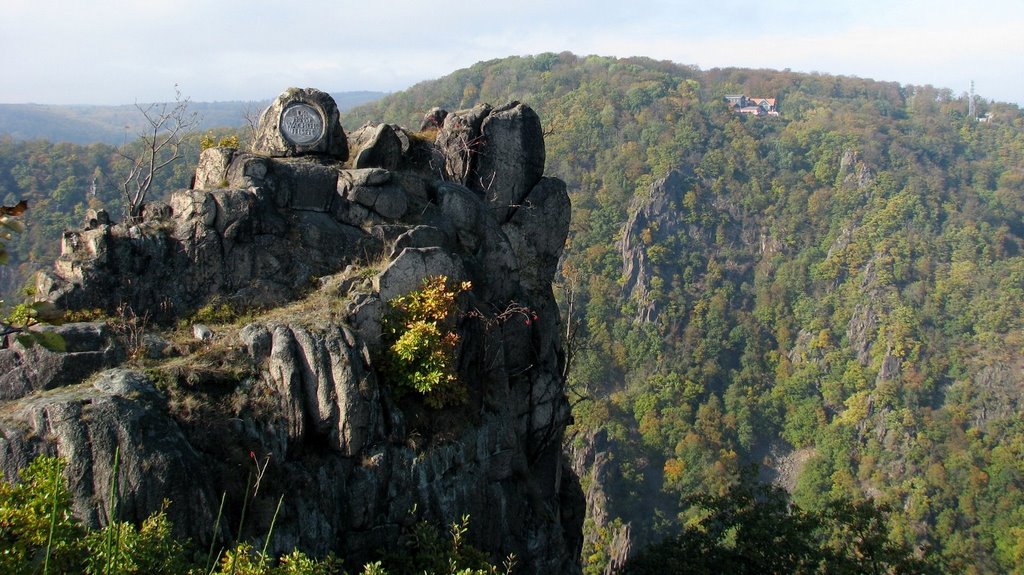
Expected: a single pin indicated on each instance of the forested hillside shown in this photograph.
(835, 293)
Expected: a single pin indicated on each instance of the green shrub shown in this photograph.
(36, 525)
(425, 551)
(215, 312)
(421, 342)
(38, 534)
(208, 140)
(151, 548)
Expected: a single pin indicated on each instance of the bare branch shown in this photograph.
(252, 114)
(169, 124)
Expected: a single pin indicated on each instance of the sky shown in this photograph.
(127, 51)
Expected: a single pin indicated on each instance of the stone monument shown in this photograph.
(301, 122)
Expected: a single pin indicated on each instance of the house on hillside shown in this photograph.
(741, 104)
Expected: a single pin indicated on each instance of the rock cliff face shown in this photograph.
(672, 228)
(654, 220)
(315, 238)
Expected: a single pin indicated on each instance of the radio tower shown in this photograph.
(971, 111)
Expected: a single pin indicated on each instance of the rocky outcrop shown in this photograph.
(301, 121)
(236, 243)
(672, 235)
(496, 151)
(655, 221)
(87, 347)
(316, 248)
(118, 420)
(592, 458)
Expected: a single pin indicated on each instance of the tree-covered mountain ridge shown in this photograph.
(835, 293)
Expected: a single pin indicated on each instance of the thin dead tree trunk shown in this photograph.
(167, 127)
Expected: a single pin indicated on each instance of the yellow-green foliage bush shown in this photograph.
(215, 312)
(421, 342)
(36, 526)
(208, 141)
(244, 559)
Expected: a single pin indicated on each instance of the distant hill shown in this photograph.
(81, 124)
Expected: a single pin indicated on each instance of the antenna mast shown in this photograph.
(971, 111)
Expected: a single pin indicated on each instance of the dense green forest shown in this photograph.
(835, 293)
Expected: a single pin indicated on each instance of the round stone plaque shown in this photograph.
(302, 124)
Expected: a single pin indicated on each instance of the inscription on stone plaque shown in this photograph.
(302, 124)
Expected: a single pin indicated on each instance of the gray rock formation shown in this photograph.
(433, 119)
(680, 216)
(375, 147)
(459, 140)
(498, 152)
(511, 157)
(256, 241)
(88, 347)
(118, 412)
(593, 459)
(299, 389)
(656, 219)
(301, 121)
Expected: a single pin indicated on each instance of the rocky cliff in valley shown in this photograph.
(310, 237)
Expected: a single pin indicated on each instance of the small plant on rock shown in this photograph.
(421, 342)
(208, 140)
(130, 328)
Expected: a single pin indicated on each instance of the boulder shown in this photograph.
(433, 119)
(88, 347)
(247, 171)
(348, 179)
(537, 231)
(301, 121)
(510, 158)
(390, 202)
(407, 271)
(419, 237)
(458, 140)
(375, 147)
